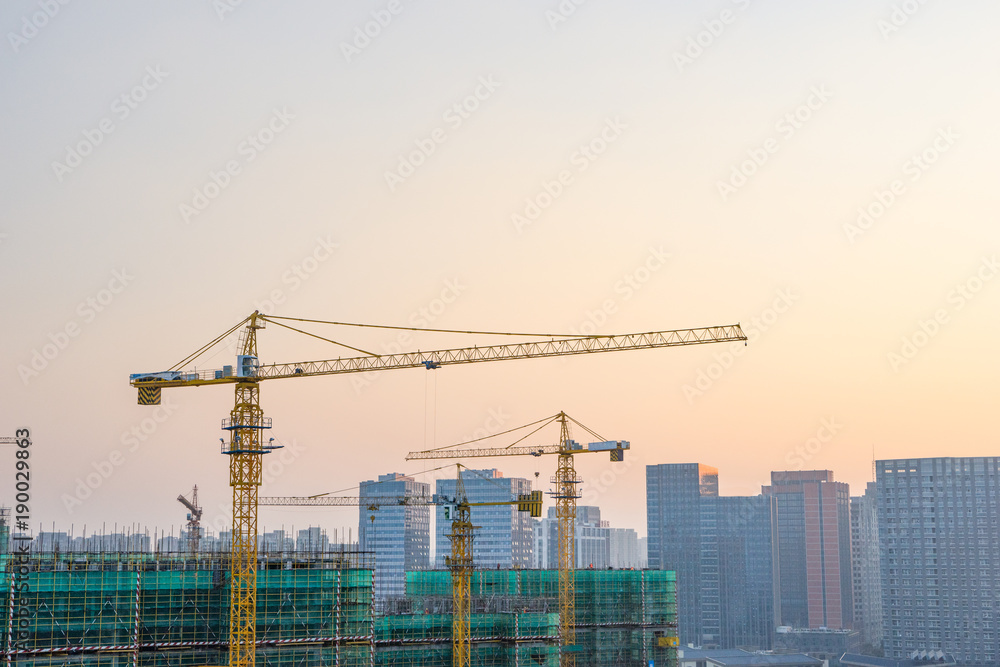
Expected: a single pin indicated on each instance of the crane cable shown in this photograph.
(200, 351)
(273, 319)
(306, 333)
(351, 488)
(547, 420)
(455, 331)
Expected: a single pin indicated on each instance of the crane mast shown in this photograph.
(460, 564)
(246, 451)
(566, 492)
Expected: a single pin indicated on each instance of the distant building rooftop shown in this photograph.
(759, 659)
(916, 659)
(701, 654)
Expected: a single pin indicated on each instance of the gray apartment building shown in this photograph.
(598, 545)
(940, 556)
(399, 536)
(865, 571)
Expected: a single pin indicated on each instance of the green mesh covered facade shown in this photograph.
(128, 610)
(623, 617)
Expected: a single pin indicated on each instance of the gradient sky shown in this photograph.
(843, 369)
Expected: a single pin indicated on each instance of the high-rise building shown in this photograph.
(742, 576)
(722, 549)
(598, 545)
(673, 515)
(865, 570)
(624, 549)
(814, 549)
(399, 536)
(940, 556)
(275, 540)
(504, 535)
(313, 538)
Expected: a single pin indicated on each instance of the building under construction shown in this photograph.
(171, 610)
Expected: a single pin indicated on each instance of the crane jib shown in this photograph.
(248, 370)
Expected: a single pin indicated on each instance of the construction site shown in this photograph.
(163, 609)
(247, 607)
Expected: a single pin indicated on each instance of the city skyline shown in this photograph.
(821, 174)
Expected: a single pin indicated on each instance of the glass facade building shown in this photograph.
(398, 536)
(504, 536)
(673, 515)
(722, 549)
(744, 538)
(814, 549)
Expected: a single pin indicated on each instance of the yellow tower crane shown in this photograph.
(246, 446)
(458, 510)
(566, 482)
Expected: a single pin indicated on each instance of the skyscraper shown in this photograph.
(399, 536)
(814, 549)
(940, 556)
(673, 517)
(747, 571)
(865, 569)
(722, 549)
(504, 536)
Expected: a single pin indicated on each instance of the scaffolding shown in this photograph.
(623, 617)
(98, 609)
(171, 610)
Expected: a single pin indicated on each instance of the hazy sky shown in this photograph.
(822, 172)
